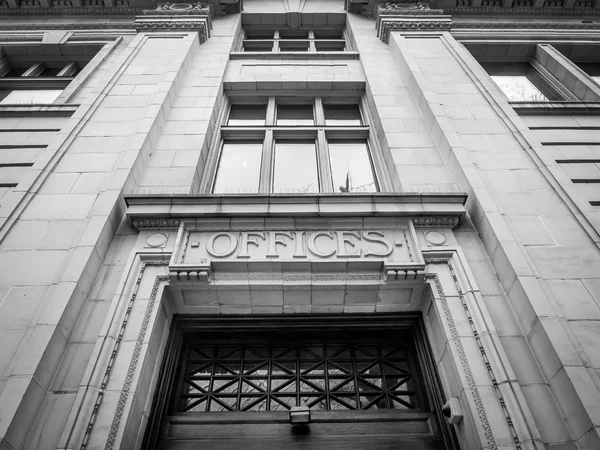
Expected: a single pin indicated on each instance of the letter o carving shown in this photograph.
(210, 244)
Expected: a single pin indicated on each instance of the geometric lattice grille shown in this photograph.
(275, 377)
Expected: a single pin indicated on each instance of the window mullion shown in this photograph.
(270, 120)
(323, 161)
(311, 42)
(275, 47)
(266, 173)
(319, 112)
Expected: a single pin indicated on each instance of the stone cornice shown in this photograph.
(388, 23)
(68, 26)
(168, 211)
(521, 11)
(200, 23)
(62, 11)
(525, 25)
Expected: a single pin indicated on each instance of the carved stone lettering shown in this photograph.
(210, 244)
(288, 245)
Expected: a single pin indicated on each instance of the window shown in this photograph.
(294, 39)
(254, 373)
(525, 71)
(294, 145)
(521, 82)
(38, 73)
(228, 382)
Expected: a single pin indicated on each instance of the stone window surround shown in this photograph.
(554, 72)
(294, 21)
(312, 39)
(359, 134)
(445, 265)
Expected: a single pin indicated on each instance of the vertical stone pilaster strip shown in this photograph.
(485, 424)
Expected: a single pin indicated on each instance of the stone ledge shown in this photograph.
(168, 211)
(295, 55)
(37, 110)
(556, 108)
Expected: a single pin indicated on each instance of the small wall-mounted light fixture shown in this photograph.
(452, 411)
(299, 415)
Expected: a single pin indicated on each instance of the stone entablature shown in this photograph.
(546, 8)
(118, 7)
(298, 252)
(168, 211)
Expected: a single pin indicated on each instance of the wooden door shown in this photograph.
(233, 388)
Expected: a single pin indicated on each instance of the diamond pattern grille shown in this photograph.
(275, 377)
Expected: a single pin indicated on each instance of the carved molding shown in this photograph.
(529, 25)
(200, 24)
(215, 7)
(442, 221)
(408, 8)
(522, 8)
(155, 223)
(196, 8)
(464, 362)
(64, 10)
(386, 24)
(114, 428)
(68, 25)
(120, 8)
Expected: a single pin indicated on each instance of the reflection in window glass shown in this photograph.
(239, 168)
(295, 115)
(294, 46)
(351, 168)
(519, 89)
(247, 115)
(342, 115)
(293, 34)
(330, 46)
(295, 168)
(259, 34)
(258, 46)
(31, 96)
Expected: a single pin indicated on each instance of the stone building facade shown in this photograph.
(215, 212)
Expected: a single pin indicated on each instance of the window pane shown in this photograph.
(295, 168)
(330, 46)
(259, 34)
(295, 115)
(329, 34)
(239, 168)
(293, 46)
(247, 115)
(258, 46)
(519, 89)
(351, 168)
(26, 97)
(293, 34)
(342, 115)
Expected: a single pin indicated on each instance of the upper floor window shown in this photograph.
(294, 39)
(526, 71)
(524, 82)
(294, 145)
(38, 73)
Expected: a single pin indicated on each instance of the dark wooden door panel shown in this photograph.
(372, 442)
(327, 430)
